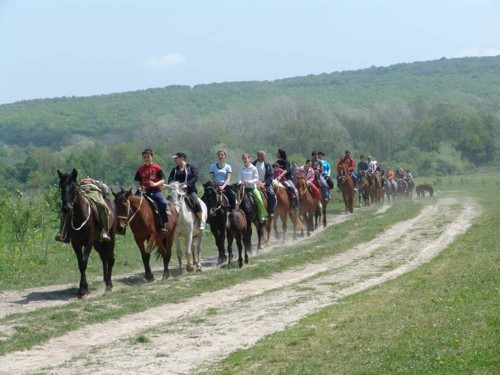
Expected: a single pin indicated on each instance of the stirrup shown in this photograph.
(202, 226)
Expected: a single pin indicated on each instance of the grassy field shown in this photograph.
(440, 318)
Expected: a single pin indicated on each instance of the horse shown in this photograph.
(390, 188)
(137, 212)
(347, 188)
(320, 212)
(218, 221)
(411, 186)
(402, 189)
(246, 202)
(187, 227)
(364, 190)
(307, 204)
(421, 189)
(83, 229)
(284, 210)
(377, 188)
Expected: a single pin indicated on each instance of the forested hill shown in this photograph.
(430, 106)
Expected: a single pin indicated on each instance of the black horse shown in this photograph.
(218, 221)
(83, 229)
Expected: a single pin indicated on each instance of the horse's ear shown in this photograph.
(74, 174)
(112, 192)
(128, 193)
(207, 184)
(59, 173)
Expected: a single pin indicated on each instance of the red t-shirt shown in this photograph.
(342, 160)
(148, 173)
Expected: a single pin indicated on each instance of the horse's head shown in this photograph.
(69, 188)
(301, 185)
(175, 192)
(122, 209)
(212, 198)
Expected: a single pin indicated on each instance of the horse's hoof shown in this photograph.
(189, 268)
(82, 293)
(109, 289)
(165, 276)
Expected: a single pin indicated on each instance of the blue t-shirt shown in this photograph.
(326, 167)
(220, 174)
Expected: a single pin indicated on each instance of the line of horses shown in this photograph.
(140, 213)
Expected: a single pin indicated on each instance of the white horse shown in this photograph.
(187, 227)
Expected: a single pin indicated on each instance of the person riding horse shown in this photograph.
(96, 191)
(324, 173)
(363, 167)
(307, 172)
(149, 180)
(266, 176)
(220, 175)
(346, 159)
(187, 175)
(290, 187)
(249, 177)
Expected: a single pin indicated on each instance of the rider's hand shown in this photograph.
(184, 186)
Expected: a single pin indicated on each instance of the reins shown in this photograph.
(73, 213)
(129, 209)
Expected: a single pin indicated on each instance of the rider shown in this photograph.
(327, 169)
(285, 165)
(220, 175)
(266, 176)
(96, 191)
(372, 165)
(150, 179)
(307, 172)
(351, 164)
(187, 174)
(402, 176)
(249, 176)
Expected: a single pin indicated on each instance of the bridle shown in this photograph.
(77, 194)
(129, 218)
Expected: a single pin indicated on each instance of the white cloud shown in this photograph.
(168, 61)
(476, 52)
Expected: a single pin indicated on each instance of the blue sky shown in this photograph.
(53, 48)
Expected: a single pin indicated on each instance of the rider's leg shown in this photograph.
(260, 204)
(198, 210)
(162, 207)
(271, 200)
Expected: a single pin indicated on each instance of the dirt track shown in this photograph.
(186, 336)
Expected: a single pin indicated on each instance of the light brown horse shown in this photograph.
(347, 188)
(377, 188)
(307, 204)
(320, 212)
(364, 190)
(284, 210)
(135, 211)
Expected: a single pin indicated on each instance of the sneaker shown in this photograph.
(105, 237)
(163, 230)
(271, 215)
(202, 226)
(355, 189)
(263, 220)
(320, 206)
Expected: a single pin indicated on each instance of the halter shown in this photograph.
(129, 218)
(218, 199)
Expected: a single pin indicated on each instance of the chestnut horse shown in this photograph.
(307, 204)
(284, 210)
(136, 211)
(347, 188)
(320, 212)
(83, 229)
(377, 188)
(364, 190)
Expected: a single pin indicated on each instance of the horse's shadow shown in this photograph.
(53, 295)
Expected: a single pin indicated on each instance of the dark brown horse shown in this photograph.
(283, 211)
(136, 211)
(421, 189)
(347, 188)
(247, 203)
(307, 205)
(83, 229)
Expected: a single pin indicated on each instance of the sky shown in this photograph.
(55, 48)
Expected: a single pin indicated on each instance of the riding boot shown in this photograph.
(200, 218)
(62, 236)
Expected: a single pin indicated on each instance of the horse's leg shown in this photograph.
(275, 227)
(189, 251)
(283, 217)
(324, 213)
(179, 252)
(215, 229)
(82, 257)
(260, 232)
(230, 238)
(105, 251)
(165, 247)
(148, 275)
